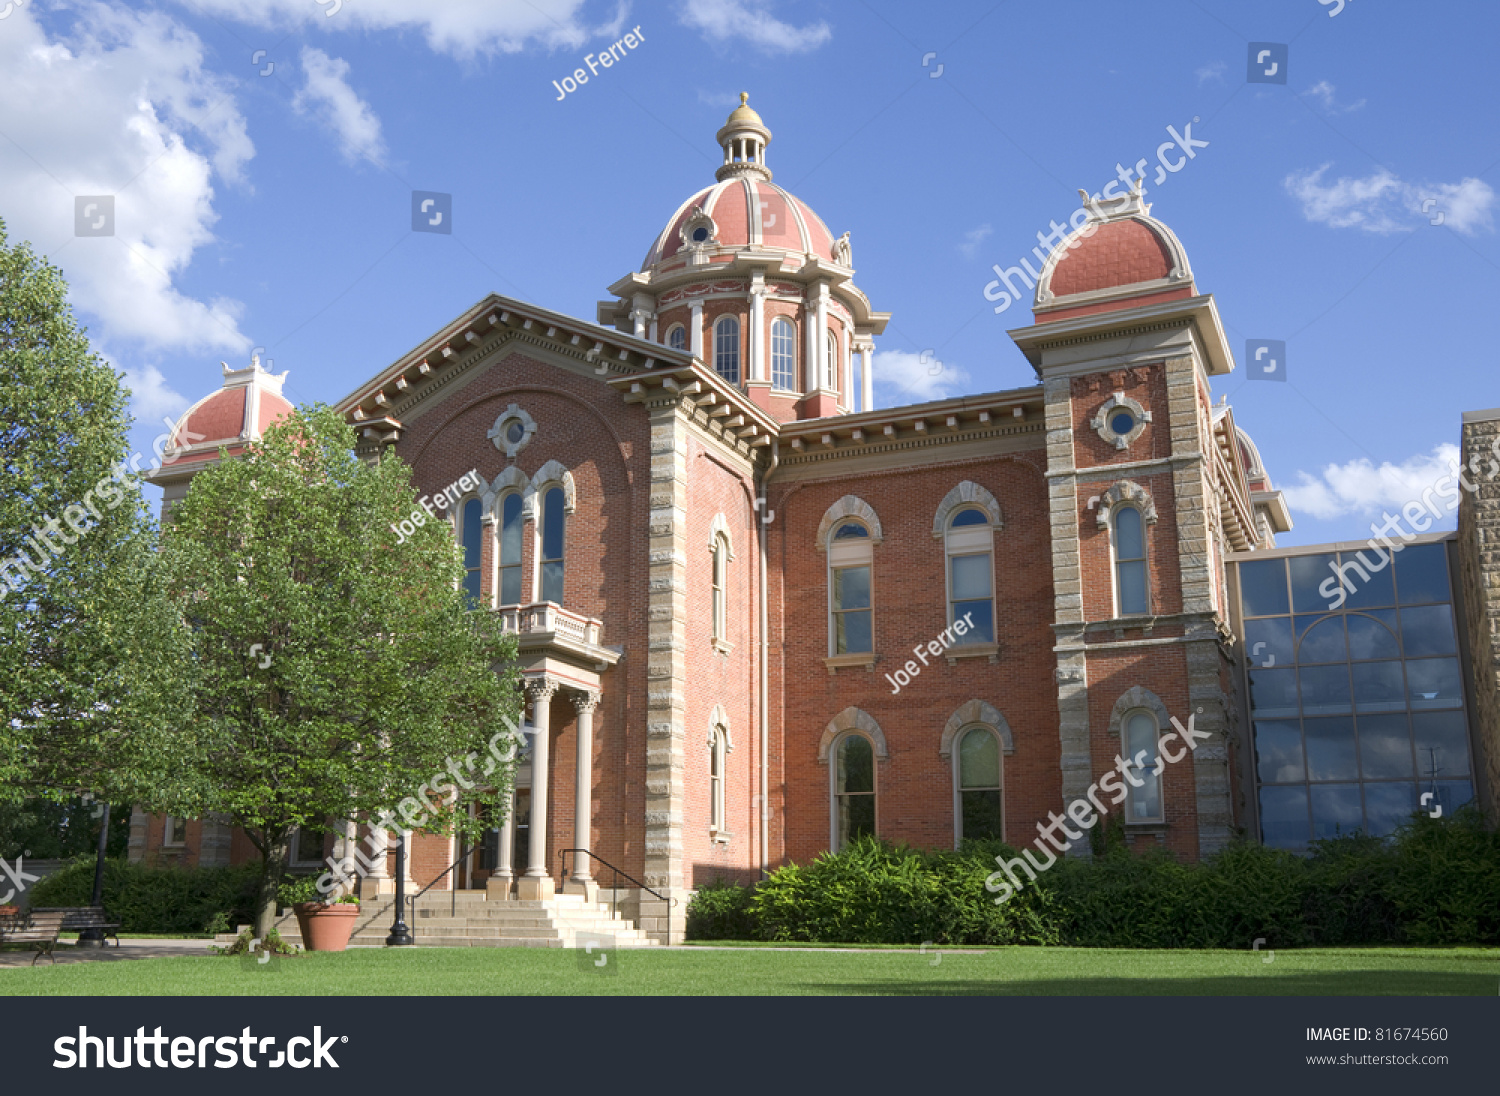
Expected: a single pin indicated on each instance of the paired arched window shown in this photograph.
(721, 587)
(553, 522)
(1140, 739)
(978, 785)
(971, 572)
(853, 789)
(831, 365)
(783, 355)
(727, 349)
(1131, 595)
(510, 549)
(850, 559)
(677, 337)
(718, 750)
(469, 536)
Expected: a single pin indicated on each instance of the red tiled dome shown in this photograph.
(747, 211)
(1118, 253)
(237, 413)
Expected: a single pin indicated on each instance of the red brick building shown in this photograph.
(739, 586)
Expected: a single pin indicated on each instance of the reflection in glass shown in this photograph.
(1384, 747)
(1387, 806)
(1376, 588)
(1335, 810)
(1422, 574)
(979, 784)
(1428, 630)
(1269, 642)
(1308, 573)
(1322, 639)
(1434, 683)
(1278, 751)
(1325, 689)
(1373, 635)
(1283, 817)
(1330, 749)
(1442, 740)
(1273, 692)
(1378, 687)
(1263, 587)
(855, 788)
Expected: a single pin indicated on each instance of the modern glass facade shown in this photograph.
(1355, 690)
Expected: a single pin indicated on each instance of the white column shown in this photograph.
(695, 345)
(379, 878)
(810, 358)
(824, 365)
(536, 885)
(498, 884)
(846, 368)
(585, 701)
(639, 316)
(867, 382)
(757, 332)
(406, 863)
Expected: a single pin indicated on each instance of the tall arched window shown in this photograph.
(977, 761)
(720, 588)
(727, 349)
(717, 756)
(510, 549)
(783, 355)
(552, 545)
(831, 362)
(1130, 562)
(469, 537)
(677, 337)
(853, 789)
(971, 573)
(1141, 736)
(850, 556)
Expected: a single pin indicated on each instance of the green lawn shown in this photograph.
(757, 971)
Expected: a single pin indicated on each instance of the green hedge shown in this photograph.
(165, 900)
(1435, 882)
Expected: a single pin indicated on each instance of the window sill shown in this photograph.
(720, 837)
(836, 663)
(972, 650)
(1145, 827)
(722, 647)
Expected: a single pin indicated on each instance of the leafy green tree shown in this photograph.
(337, 672)
(89, 675)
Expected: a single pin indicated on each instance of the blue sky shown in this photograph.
(273, 210)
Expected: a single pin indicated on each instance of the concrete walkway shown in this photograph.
(68, 952)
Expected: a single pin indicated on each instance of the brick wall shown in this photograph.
(1479, 568)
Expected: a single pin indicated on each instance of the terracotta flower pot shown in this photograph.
(325, 928)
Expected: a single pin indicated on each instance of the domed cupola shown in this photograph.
(746, 278)
(744, 139)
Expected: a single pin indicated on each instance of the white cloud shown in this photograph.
(727, 20)
(1323, 92)
(122, 106)
(728, 100)
(329, 98)
(151, 397)
(1359, 487)
(973, 238)
(903, 377)
(1383, 203)
(1214, 70)
(462, 28)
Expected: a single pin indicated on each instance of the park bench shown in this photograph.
(79, 918)
(40, 932)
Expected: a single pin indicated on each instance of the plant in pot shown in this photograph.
(326, 923)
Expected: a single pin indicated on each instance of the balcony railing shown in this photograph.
(545, 617)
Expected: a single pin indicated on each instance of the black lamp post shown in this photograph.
(94, 937)
(400, 934)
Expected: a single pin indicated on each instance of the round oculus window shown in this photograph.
(700, 234)
(515, 432)
(1122, 422)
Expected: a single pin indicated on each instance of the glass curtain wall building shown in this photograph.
(1354, 687)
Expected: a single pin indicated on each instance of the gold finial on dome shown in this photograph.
(744, 139)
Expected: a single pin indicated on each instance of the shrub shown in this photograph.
(721, 911)
(160, 900)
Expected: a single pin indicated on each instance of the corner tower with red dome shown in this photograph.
(747, 278)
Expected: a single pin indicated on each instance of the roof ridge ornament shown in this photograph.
(1120, 206)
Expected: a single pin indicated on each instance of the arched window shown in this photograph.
(783, 355)
(717, 755)
(971, 572)
(977, 771)
(552, 545)
(850, 557)
(720, 587)
(853, 790)
(510, 549)
(677, 337)
(469, 537)
(727, 349)
(1140, 738)
(1130, 562)
(831, 363)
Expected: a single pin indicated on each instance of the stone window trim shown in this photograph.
(696, 220)
(852, 719)
(497, 433)
(850, 506)
(509, 481)
(1135, 698)
(550, 474)
(720, 528)
(976, 713)
(719, 625)
(1125, 493)
(721, 744)
(1100, 421)
(966, 494)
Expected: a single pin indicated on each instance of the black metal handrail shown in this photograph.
(562, 863)
(453, 891)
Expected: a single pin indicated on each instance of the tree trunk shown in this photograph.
(278, 848)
